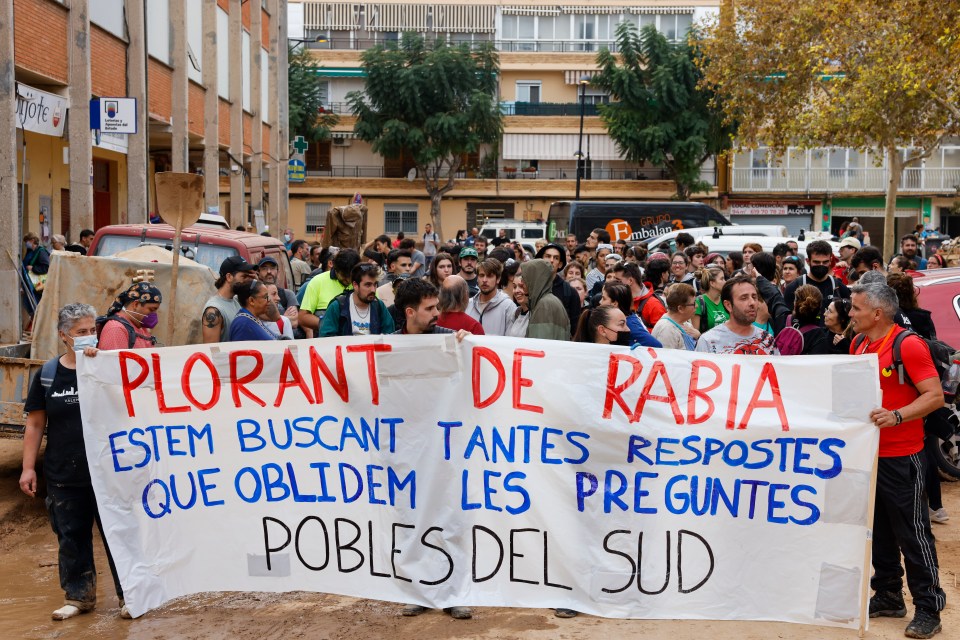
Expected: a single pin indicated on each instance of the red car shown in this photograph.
(938, 290)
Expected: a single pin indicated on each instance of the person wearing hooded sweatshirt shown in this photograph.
(491, 307)
(567, 295)
(548, 317)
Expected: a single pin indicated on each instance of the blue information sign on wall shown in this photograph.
(296, 171)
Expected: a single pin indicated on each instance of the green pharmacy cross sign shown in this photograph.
(300, 144)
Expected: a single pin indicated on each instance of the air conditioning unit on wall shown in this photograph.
(341, 142)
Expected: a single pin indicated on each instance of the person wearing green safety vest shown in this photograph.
(322, 289)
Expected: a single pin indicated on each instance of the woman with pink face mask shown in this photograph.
(131, 317)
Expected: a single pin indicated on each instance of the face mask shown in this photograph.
(286, 237)
(623, 339)
(82, 342)
(819, 272)
(147, 321)
(29, 246)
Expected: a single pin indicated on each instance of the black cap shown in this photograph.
(267, 260)
(235, 264)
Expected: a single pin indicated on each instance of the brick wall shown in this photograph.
(108, 63)
(265, 30)
(247, 133)
(195, 96)
(223, 136)
(161, 90)
(266, 141)
(40, 37)
(245, 14)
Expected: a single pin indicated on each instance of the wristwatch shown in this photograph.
(896, 414)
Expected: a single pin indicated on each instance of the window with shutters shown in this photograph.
(316, 216)
(400, 217)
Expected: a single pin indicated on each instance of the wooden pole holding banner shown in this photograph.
(179, 203)
(867, 549)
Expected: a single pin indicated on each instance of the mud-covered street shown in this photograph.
(30, 590)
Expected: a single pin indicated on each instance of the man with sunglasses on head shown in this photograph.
(222, 307)
(357, 311)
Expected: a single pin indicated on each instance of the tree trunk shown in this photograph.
(435, 197)
(895, 169)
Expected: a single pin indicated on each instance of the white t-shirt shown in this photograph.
(281, 328)
(721, 339)
(360, 320)
(430, 243)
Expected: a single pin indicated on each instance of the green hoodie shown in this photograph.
(548, 317)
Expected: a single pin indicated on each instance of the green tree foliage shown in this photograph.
(658, 111)
(876, 75)
(307, 116)
(431, 101)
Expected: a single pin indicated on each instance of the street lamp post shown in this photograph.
(296, 42)
(584, 81)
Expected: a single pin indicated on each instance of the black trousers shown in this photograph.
(930, 445)
(73, 511)
(901, 524)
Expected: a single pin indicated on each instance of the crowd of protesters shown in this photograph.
(592, 290)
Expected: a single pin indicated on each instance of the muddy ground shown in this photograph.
(30, 590)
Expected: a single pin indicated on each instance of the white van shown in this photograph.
(772, 230)
(516, 230)
(725, 244)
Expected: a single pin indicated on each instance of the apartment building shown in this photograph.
(546, 49)
(823, 188)
(209, 80)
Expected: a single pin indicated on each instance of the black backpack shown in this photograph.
(941, 353)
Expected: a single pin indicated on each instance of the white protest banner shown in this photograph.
(494, 472)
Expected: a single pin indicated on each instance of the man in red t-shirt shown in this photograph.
(901, 522)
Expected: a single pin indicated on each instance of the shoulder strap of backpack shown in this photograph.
(858, 340)
(898, 358)
(642, 304)
(131, 331)
(343, 302)
(703, 311)
(48, 372)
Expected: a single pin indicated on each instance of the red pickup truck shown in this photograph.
(204, 244)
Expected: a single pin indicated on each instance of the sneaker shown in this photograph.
(414, 610)
(460, 613)
(565, 613)
(925, 624)
(887, 604)
(939, 516)
(66, 612)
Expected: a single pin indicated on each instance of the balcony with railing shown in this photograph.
(508, 173)
(504, 46)
(851, 180)
(506, 108)
(547, 109)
